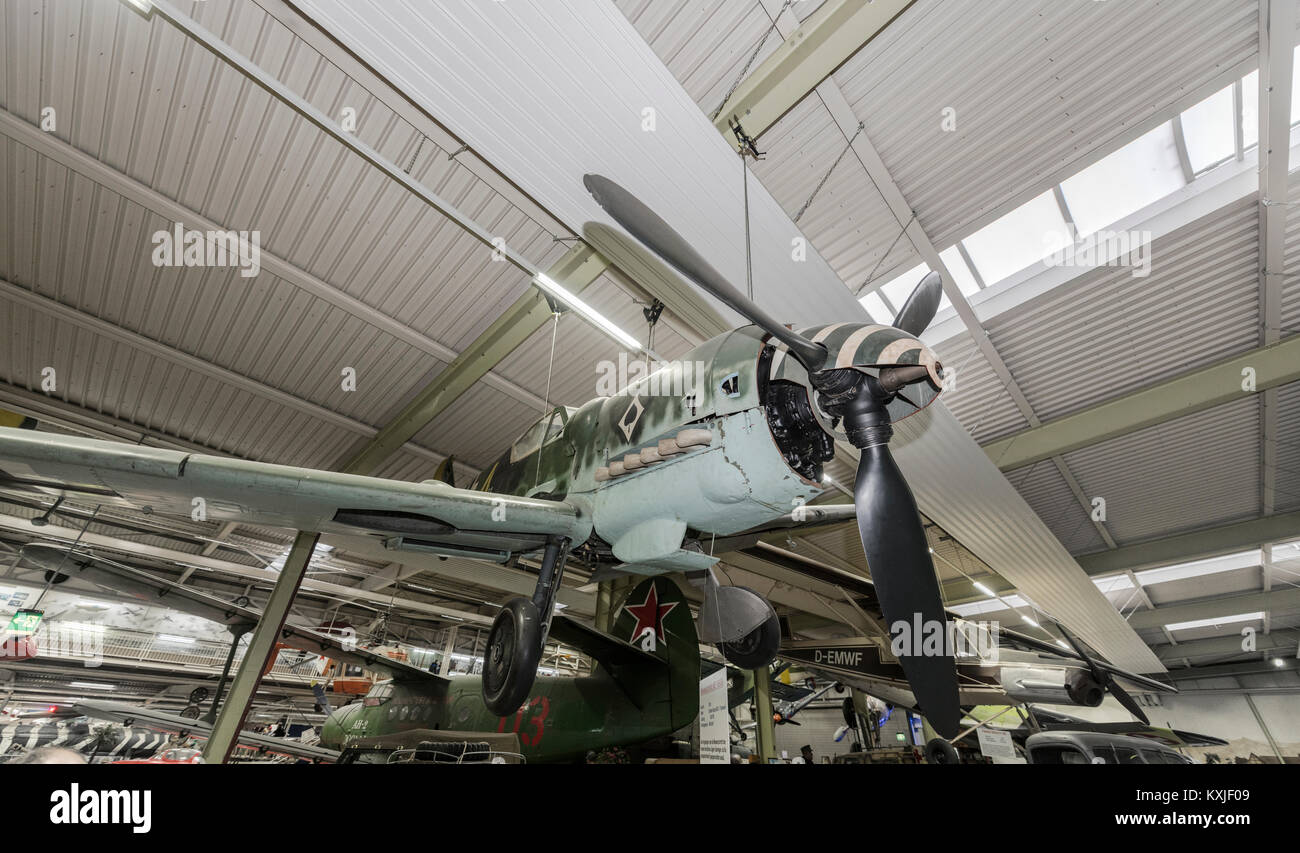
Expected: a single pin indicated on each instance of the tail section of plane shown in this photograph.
(651, 651)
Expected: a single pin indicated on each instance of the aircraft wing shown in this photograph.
(429, 516)
(120, 712)
(1015, 638)
(240, 619)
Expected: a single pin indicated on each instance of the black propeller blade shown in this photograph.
(1104, 678)
(919, 309)
(646, 225)
(898, 556)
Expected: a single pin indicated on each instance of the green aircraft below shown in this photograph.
(646, 684)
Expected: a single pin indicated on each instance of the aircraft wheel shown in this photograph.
(939, 751)
(514, 649)
(756, 649)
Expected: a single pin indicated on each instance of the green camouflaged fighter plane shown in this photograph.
(637, 692)
(640, 481)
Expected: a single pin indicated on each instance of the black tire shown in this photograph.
(198, 695)
(939, 751)
(756, 649)
(514, 648)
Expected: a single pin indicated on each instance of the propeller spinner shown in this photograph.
(893, 537)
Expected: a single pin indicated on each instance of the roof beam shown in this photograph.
(1228, 646)
(821, 44)
(1205, 388)
(1277, 20)
(150, 199)
(1220, 606)
(579, 267)
(1207, 542)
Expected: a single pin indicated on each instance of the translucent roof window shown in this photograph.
(1024, 236)
(961, 273)
(896, 290)
(1250, 109)
(1216, 621)
(1209, 131)
(1295, 84)
(1144, 171)
(1199, 568)
(876, 308)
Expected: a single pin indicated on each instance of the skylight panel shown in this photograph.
(897, 289)
(1250, 109)
(877, 308)
(1113, 583)
(987, 605)
(1216, 621)
(1144, 171)
(1295, 84)
(1209, 131)
(961, 273)
(1200, 568)
(1022, 237)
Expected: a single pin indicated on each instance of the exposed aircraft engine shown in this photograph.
(1084, 689)
(1052, 685)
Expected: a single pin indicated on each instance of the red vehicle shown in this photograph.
(169, 756)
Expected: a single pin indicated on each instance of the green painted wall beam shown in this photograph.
(1210, 542)
(579, 267)
(821, 44)
(1270, 367)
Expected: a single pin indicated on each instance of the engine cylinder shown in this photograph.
(1083, 689)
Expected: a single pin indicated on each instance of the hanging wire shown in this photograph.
(745, 71)
(826, 176)
(63, 559)
(749, 262)
(871, 276)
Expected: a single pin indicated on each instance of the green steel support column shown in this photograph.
(579, 267)
(766, 729)
(261, 651)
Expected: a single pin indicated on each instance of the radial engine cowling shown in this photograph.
(1083, 689)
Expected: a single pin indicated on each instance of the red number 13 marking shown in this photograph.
(538, 721)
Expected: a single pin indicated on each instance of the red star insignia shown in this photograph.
(649, 614)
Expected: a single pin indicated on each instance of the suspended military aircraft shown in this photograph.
(646, 684)
(640, 480)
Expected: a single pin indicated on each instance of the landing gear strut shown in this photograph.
(518, 634)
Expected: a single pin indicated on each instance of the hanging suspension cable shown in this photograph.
(745, 70)
(826, 176)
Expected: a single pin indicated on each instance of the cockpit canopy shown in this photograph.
(544, 431)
